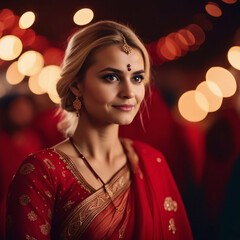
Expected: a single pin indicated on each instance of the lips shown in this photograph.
(124, 107)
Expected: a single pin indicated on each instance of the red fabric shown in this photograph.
(13, 149)
(163, 133)
(150, 192)
(44, 191)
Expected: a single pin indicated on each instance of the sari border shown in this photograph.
(82, 216)
(70, 165)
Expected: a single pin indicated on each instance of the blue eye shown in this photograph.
(111, 77)
(138, 78)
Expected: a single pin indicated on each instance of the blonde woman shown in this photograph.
(94, 185)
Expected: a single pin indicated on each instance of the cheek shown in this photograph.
(141, 94)
(99, 94)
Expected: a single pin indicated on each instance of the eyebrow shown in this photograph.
(119, 71)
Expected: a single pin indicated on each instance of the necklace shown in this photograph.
(94, 173)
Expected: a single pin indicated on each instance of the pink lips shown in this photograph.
(124, 107)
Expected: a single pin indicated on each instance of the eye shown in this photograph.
(111, 77)
(138, 78)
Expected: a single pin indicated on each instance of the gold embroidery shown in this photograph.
(24, 200)
(32, 216)
(170, 205)
(30, 238)
(73, 169)
(49, 164)
(48, 194)
(68, 205)
(81, 217)
(171, 226)
(26, 168)
(122, 230)
(159, 160)
(45, 229)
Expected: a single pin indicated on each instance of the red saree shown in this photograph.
(49, 199)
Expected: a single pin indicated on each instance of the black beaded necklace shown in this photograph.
(93, 172)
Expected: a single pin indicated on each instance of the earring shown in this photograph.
(77, 104)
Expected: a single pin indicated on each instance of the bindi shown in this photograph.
(129, 67)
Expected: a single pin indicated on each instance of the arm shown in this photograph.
(30, 201)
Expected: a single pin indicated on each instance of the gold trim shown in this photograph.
(73, 169)
(82, 216)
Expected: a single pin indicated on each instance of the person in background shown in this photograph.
(18, 138)
(95, 185)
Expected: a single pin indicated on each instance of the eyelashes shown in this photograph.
(110, 77)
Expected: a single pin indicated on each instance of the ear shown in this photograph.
(75, 91)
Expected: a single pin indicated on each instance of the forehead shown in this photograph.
(113, 56)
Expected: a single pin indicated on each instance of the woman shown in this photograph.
(94, 185)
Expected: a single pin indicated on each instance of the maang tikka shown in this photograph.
(77, 104)
(126, 48)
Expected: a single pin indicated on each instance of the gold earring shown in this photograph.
(77, 104)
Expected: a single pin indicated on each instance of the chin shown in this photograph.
(125, 122)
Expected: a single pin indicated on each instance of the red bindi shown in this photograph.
(129, 67)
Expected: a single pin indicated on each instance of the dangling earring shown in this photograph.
(77, 104)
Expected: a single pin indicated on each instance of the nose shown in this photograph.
(127, 90)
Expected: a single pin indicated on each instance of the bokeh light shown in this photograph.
(33, 84)
(230, 1)
(30, 63)
(48, 76)
(83, 16)
(214, 101)
(7, 18)
(10, 47)
(197, 32)
(53, 56)
(17, 31)
(26, 20)
(169, 49)
(234, 57)
(188, 106)
(224, 79)
(13, 75)
(213, 9)
(188, 36)
(28, 37)
(40, 43)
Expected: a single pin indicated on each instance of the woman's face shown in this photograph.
(112, 90)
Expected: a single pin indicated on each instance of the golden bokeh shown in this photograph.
(26, 20)
(10, 47)
(188, 106)
(13, 75)
(30, 63)
(234, 57)
(33, 84)
(214, 101)
(224, 79)
(83, 16)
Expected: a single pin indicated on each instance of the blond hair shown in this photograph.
(79, 56)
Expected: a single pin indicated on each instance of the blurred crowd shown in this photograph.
(204, 158)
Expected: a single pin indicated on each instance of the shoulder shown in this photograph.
(41, 162)
(145, 149)
(143, 152)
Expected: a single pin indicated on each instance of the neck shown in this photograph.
(98, 142)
